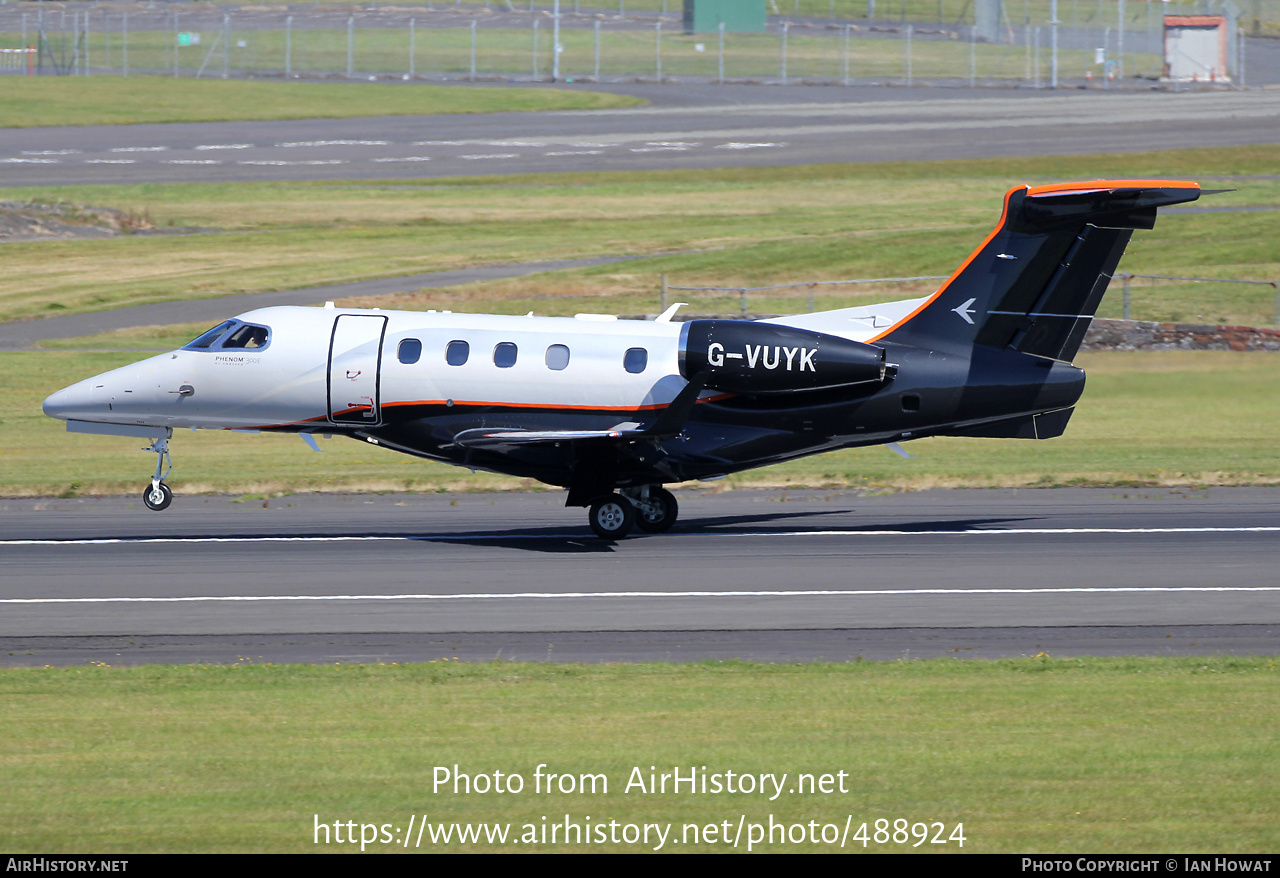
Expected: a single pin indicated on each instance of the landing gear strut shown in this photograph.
(651, 508)
(158, 495)
(656, 509)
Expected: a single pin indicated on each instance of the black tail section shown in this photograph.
(1036, 282)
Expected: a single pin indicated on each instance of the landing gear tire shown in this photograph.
(612, 517)
(157, 496)
(657, 512)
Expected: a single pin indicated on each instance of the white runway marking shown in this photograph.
(576, 152)
(749, 145)
(139, 149)
(554, 595)
(26, 161)
(110, 161)
(411, 158)
(50, 151)
(335, 143)
(226, 146)
(311, 162)
(503, 155)
(193, 161)
(1003, 532)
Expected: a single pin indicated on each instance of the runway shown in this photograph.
(708, 127)
(770, 575)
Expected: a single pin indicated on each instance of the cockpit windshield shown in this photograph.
(233, 334)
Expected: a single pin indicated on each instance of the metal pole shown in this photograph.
(535, 48)
(288, 45)
(909, 55)
(226, 45)
(1127, 278)
(664, 292)
(411, 23)
(721, 58)
(782, 53)
(1120, 44)
(844, 59)
(973, 56)
(597, 29)
(85, 35)
(1053, 39)
(742, 301)
(473, 50)
(1240, 52)
(555, 42)
(351, 53)
(124, 42)
(657, 44)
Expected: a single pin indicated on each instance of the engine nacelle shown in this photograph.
(742, 356)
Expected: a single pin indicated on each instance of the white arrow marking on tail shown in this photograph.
(964, 311)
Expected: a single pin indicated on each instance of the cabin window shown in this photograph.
(457, 353)
(557, 357)
(206, 340)
(504, 355)
(635, 360)
(410, 351)
(247, 336)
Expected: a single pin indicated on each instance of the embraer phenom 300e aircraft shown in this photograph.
(613, 410)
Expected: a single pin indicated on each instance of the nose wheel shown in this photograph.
(158, 495)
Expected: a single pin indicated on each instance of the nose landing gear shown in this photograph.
(158, 495)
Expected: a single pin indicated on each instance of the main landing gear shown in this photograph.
(651, 508)
(158, 495)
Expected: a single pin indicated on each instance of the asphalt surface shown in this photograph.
(761, 575)
(766, 126)
(808, 574)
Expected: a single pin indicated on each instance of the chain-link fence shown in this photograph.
(1147, 297)
(807, 41)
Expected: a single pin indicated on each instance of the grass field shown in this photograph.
(1037, 755)
(745, 226)
(1175, 418)
(109, 100)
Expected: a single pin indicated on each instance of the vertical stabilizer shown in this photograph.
(1036, 281)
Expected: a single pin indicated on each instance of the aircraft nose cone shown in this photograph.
(69, 402)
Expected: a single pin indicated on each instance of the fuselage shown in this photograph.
(416, 381)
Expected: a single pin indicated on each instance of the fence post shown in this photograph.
(657, 43)
(782, 55)
(664, 293)
(973, 56)
(351, 24)
(742, 302)
(844, 59)
(412, 21)
(1126, 296)
(597, 29)
(1053, 42)
(288, 45)
(124, 43)
(473, 50)
(226, 44)
(1120, 43)
(721, 61)
(85, 36)
(175, 44)
(909, 29)
(535, 48)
